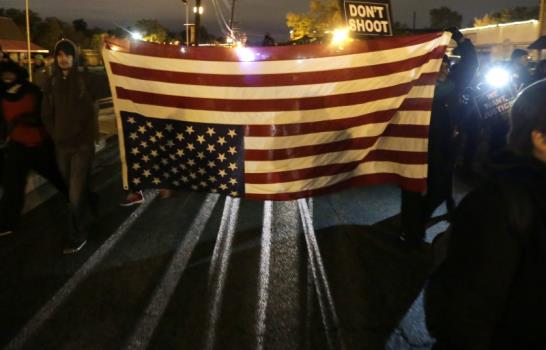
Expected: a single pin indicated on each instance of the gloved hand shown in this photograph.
(456, 33)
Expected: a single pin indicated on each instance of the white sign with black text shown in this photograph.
(368, 18)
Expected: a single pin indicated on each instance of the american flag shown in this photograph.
(275, 123)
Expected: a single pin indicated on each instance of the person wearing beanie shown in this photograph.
(26, 144)
(520, 69)
(70, 115)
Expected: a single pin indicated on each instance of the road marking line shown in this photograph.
(309, 307)
(320, 277)
(218, 269)
(263, 278)
(140, 339)
(62, 294)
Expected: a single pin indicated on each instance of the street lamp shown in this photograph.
(198, 10)
(187, 25)
(27, 18)
(340, 35)
(136, 35)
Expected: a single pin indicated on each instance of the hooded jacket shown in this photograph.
(490, 293)
(68, 107)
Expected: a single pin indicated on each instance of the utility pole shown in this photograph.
(542, 17)
(197, 20)
(232, 15)
(28, 40)
(186, 24)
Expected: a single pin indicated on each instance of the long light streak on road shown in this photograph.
(148, 322)
(309, 307)
(312, 265)
(219, 266)
(62, 294)
(321, 279)
(310, 291)
(218, 246)
(263, 282)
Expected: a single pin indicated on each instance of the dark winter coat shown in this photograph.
(68, 109)
(20, 115)
(490, 292)
(445, 110)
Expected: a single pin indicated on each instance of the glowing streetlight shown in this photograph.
(136, 36)
(200, 9)
(340, 35)
(245, 54)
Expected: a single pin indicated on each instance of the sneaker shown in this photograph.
(132, 199)
(5, 232)
(165, 193)
(74, 248)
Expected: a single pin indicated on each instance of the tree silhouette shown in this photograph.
(444, 17)
(323, 16)
(518, 13)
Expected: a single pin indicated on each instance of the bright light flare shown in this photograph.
(136, 35)
(245, 54)
(497, 77)
(340, 35)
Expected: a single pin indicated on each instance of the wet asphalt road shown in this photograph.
(202, 271)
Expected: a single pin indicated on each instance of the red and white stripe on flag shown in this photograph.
(317, 118)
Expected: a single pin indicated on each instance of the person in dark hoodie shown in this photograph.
(70, 115)
(490, 291)
(417, 209)
(27, 146)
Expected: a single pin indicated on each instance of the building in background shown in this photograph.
(497, 41)
(14, 43)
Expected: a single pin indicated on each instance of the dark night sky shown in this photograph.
(253, 16)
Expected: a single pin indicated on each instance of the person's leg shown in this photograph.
(411, 216)
(14, 180)
(64, 161)
(450, 201)
(440, 189)
(432, 200)
(472, 130)
(45, 164)
(78, 186)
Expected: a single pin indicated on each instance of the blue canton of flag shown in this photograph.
(181, 155)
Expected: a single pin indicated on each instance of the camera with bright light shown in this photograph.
(498, 77)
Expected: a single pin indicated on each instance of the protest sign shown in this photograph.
(368, 18)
